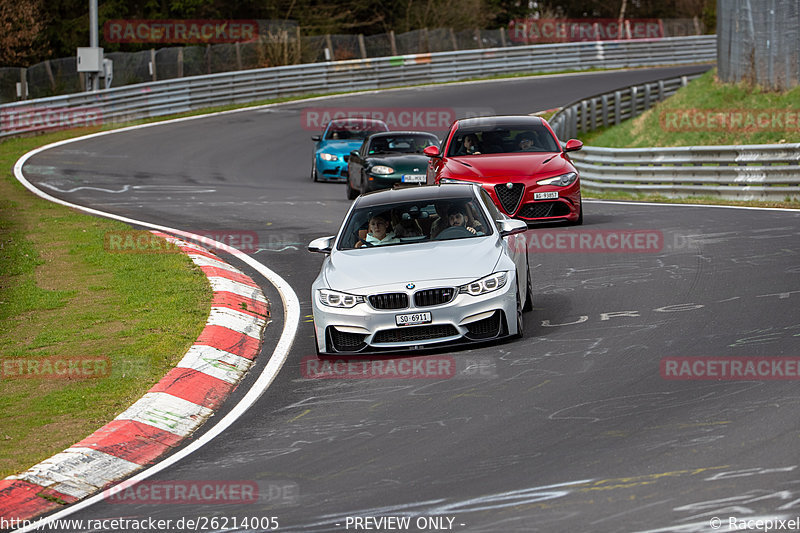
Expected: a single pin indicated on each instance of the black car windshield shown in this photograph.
(414, 222)
(400, 144)
(498, 139)
(353, 130)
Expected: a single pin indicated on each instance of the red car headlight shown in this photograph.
(561, 181)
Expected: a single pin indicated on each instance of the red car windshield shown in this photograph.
(501, 140)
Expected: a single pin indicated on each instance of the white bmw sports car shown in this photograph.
(418, 268)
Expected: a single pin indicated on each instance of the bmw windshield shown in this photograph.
(414, 222)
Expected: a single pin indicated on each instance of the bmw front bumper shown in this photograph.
(367, 329)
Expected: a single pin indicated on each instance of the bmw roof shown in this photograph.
(413, 194)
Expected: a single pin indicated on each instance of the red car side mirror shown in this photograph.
(431, 151)
(573, 145)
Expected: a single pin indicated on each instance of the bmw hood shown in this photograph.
(457, 261)
(340, 147)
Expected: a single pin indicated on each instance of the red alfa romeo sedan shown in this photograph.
(518, 160)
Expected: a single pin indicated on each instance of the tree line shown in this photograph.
(34, 30)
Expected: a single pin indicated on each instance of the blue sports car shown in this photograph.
(338, 139)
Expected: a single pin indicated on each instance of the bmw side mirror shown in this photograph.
(316, 138)
(511, 226)
(323, 245)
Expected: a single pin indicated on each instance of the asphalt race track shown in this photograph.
(573, 428)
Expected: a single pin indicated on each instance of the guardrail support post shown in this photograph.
(392, 42)
(362, 46)
(153, 63)
(617, 108)
(646, 96)
(604, 109)
(593, 115)
(634, 95)
(180, 62)
(660, 90)
(584, 112)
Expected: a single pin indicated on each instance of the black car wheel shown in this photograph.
(529, 291)
(314, 176)
(520, 321)
(352, 194)
(580, 214)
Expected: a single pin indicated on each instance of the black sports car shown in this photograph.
(388, 158)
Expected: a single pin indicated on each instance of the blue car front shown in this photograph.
(340, 137)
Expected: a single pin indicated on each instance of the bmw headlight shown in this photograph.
(488, 284)
(339, 299)
(562, 181)
(328, 157)
(382, 170)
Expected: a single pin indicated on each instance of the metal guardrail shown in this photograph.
(187, 94)
(748, 172)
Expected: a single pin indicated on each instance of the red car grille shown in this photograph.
(509, 196)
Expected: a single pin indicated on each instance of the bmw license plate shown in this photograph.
(412, 319)
(413, 178)
(552, 195)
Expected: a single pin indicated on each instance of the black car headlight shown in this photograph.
(381, 170)
(561, 181)
(339, 299)
(489, 283)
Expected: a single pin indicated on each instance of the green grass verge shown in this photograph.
(64, 297)
(669, 124)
